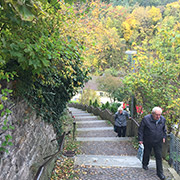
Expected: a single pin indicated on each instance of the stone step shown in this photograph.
(111, 161)
(101, 139)
(81, 114)
(77, 111)
(107, 133)
(108, 148)
(95, 129)
(89, 122)
(73, 108)
(86, 117)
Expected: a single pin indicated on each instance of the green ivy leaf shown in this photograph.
(2, 149)
(46, 62)
(4, 98)
(11, 127)
(7, 137)
(2, 113)
(1, 107)
(4, 144)
(8, 111)
(10, 143)
(4, 128)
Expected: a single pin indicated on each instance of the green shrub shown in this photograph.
(95, 104)
(105, 106)
(90, 102)
(114, 106)
(89, 95)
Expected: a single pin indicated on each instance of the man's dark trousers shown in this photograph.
(158, 155)
(121, 131)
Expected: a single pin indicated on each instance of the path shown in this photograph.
(105, 156)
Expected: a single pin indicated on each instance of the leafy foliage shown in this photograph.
(48, 65)
(154, 33)
(95, 103)
(111, 85)
(89, 96)
(155, 83)
(141, 2)
(105, 106)
(5, 126)
(99, 31)
(44, 42)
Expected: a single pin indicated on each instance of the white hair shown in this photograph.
(156, 109)
(120, 108)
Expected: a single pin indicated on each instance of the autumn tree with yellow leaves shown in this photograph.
(156, 81)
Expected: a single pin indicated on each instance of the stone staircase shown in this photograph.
(100, 146)
(105, 156)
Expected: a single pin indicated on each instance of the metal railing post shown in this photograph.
(74, 129)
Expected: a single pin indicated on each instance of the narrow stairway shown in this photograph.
(105, 156)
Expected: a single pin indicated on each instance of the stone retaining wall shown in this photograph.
(31, 143)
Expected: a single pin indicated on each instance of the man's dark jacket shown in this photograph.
(150, 132)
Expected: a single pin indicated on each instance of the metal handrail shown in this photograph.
(135, 122)
(74, 129)
(41, 168)
(74, 123)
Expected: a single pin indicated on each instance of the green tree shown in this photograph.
(104, 44)
(89, 96)
(141, 2)
(155, 83)
(49, 69)
(110, 85)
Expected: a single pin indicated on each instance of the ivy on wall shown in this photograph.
(5, 127)
(48, 68)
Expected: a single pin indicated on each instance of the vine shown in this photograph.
(48, 63)
(5, 127)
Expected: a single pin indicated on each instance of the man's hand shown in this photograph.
(140, 142)
(164, 140)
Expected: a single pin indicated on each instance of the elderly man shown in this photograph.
(120, 121)
(151, 133)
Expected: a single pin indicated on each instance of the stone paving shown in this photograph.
(107, 133)
(86, 124)
(106, 159)
(113, 173)
(108, 148)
